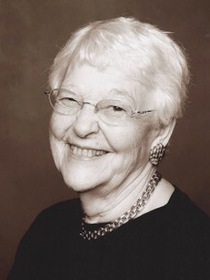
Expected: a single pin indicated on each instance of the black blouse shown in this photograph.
(168, 243)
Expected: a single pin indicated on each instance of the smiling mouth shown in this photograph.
(77, 151)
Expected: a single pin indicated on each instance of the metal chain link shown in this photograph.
(127, 216)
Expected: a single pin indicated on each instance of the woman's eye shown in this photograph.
(117, 109)
(67, 101)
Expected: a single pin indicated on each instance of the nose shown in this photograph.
(86, 122)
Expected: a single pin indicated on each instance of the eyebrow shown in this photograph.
(115, 91)
(118, 91)
(125, 94)
(70, 88)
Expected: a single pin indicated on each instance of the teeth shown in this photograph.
(86, 152)
(91, 153)
(98, 153)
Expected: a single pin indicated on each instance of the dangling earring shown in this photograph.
(157, 153)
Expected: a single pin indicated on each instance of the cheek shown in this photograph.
(135, 143)
(57, 131)
(132, 137)
(57, 151)
(60, 126)
(57, 126)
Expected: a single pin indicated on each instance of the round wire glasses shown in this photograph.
(110, 111)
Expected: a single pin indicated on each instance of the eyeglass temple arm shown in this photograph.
(142, 112)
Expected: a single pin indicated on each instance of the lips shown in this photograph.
(85, 152)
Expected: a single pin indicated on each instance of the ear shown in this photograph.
(164, 134)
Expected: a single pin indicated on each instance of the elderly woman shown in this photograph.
(117, 88)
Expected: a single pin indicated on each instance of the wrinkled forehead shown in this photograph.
(140, 69)
(101, 83)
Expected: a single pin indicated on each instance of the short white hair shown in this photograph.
(147, 53)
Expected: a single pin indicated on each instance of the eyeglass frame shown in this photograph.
(134, 113)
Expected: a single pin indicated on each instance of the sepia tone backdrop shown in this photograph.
(31, 33)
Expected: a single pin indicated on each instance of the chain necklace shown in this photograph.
(127, 216)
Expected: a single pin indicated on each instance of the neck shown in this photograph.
(102, 208)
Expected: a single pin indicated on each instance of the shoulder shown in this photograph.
(191, 233)
(53, 222)
(186, 222)
(61, 207)
(46, 237)
(56, 218)
(185, 210)
(66, 210)
(179, 224)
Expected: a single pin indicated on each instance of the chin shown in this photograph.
(84, 175)
(80, 185)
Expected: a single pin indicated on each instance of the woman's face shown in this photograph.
(90, 153)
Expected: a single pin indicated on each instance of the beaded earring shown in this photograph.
(157, 153)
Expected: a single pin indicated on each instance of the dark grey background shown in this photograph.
(31, 33)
